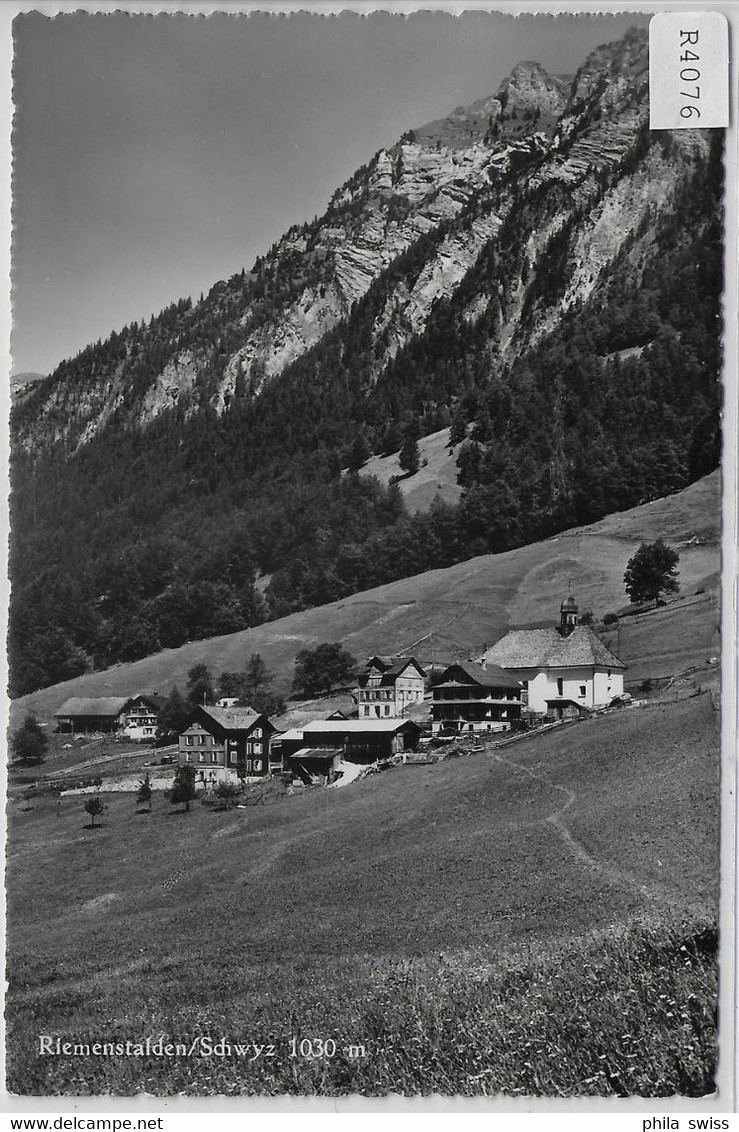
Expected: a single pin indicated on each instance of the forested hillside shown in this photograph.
(541, 272)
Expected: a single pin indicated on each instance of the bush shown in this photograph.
(610, 619)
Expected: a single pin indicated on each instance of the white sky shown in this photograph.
(154, 155)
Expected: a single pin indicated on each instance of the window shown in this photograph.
(188, 740)
(258, 764)
(257, 733)
(201, 756)
(214, 756)
(188, 757)
(257, 748)
(560, 687)
(583, 689)
(387, 709)
(248, 766)
(201, 740)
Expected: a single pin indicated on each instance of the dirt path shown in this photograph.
(103, 760)
(619, 876)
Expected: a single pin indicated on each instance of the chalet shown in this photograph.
(564, 670)
(387, 688)
(84, 715)
(132, 716)
(140, 717)
(226, 744)
(469, 698)
(356, 740)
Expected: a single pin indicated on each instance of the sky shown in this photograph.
(155, 155)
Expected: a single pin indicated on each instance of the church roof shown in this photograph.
(547, 648)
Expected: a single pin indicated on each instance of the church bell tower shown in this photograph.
(567, 616)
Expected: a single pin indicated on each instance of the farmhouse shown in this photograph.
(356, 740)
(83, 715)
(227, 743)
(564, 669)
(132, 716)
(471, 698)
(387, 688)
(140, 716)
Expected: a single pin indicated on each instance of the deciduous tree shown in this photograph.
(326, 666)
(651, 572)
(94, 806)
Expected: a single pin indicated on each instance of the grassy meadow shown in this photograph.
(536, 920)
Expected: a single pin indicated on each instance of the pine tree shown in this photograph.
(200, 684)
(409, 456)
(183, 787)
(174, 714)
(29, 741)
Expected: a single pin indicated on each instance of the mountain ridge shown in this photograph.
(538, 291)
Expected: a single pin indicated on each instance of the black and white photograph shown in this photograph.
(367, 409)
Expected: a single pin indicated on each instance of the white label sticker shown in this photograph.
(688, 71)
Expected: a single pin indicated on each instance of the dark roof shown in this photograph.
(547, 648)
(569, 604)
(355, 726)
(489, 677)
(150, 698)
(390, 668)
(104, 706)
(233, 718)
(401, 664)
(317, 753)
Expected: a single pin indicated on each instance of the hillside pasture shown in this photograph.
(450, 614)
(461, 920)
(436, 475)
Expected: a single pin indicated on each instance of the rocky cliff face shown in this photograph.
(537, 274)
(577, 149)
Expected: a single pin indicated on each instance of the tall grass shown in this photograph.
(623, 1011)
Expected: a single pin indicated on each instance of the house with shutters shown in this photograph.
(565, 670)
(140, 717)
(470, 699)
(388, 687)
(226, 744)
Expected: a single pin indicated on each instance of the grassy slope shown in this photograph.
(437, 474)
(451, 613)
(276, 919)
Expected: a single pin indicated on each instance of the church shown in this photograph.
(564, 670)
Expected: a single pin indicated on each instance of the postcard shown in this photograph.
(372, 470)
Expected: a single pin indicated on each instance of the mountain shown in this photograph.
(451, 614)
(538, 272)
(20, 383)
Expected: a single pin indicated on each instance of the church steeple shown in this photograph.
(568, 615)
